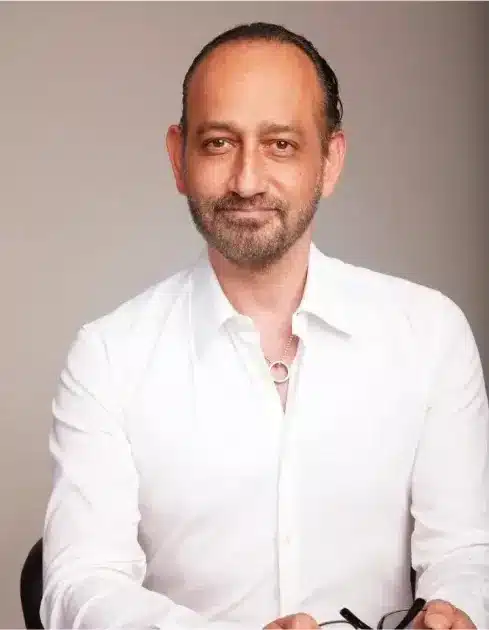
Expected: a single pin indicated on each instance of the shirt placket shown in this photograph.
(286, 539)
(286, 526)
(287, 542)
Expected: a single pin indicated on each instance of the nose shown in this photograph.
(248, 176)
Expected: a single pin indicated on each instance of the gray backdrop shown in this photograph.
(90, 216)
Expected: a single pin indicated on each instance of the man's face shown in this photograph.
(253, 165)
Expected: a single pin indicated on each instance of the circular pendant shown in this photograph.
(282, 366)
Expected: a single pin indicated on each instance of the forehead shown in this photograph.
(249, 82)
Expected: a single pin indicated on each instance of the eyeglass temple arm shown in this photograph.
(416, 608)
(354, 620)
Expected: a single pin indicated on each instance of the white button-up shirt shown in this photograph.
(184, 497)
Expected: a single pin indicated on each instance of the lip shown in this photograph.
(245, 216)
(249, 211)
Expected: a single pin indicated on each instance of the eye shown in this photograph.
(282, 144)
(215, 144)
(282, 147)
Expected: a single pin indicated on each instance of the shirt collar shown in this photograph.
(326, 296)
(209, 307)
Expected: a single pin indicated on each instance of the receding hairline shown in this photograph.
(270, 42)
(255, 42)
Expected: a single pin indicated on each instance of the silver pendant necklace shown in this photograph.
(281, 365)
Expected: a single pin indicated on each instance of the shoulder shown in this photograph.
(392, 305)
(420, 328)
(130, 330)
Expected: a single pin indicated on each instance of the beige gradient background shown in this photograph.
(88, 211)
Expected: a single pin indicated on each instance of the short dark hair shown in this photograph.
(332, 105)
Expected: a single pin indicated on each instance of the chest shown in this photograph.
(213, 432)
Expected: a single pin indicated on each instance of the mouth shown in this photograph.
(255, 211)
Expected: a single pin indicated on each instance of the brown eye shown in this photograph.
(282, 148)
(215, 144)
(282, 145)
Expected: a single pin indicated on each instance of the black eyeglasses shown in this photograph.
(391, 621)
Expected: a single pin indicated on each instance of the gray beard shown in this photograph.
(244, 243)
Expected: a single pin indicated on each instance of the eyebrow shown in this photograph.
(265, 128)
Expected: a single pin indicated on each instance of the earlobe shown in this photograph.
(326, 177)
(333, 164)
(175, 146)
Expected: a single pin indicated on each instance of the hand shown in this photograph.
(299, 621)
(441, 615)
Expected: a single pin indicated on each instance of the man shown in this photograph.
(271, 435)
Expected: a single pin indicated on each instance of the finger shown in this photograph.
(418, 621)
(279, 624)
(286, 623)
(302, 621)
(299, 621)
(439, 615)
(462, 621)
(437, 621)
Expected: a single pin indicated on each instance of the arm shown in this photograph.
(93, 565)
(450, 491)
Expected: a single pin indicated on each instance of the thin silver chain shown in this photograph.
(286, 351)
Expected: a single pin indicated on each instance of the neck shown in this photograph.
(270, 294)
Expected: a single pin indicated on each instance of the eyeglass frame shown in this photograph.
(348, 617)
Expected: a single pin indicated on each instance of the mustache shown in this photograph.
(229, 204)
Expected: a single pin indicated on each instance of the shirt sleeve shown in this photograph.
(450, 489)
(94, 567)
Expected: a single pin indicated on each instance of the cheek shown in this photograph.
(206, 178)
(299, 182)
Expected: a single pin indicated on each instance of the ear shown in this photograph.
(333, 164)
(175, 148)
